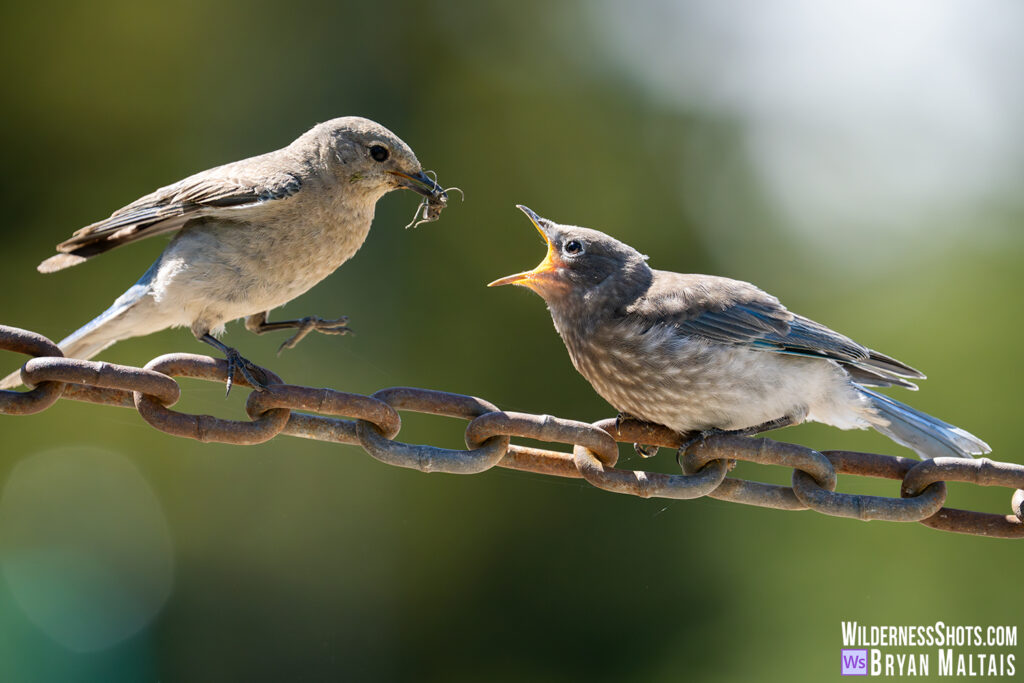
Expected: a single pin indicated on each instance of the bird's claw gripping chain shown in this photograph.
(700, 437)
(253, 374)
(643, 450)
(313, 413)
(248, 369)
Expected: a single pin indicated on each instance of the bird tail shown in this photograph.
(120, 321)
(929, 436)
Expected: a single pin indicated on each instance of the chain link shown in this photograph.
(375, 422)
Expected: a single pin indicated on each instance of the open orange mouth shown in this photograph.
(544, 271)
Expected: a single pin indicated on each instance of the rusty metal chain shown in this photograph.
(375, 422)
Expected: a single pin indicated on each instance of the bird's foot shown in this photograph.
(643, 450)
(697, 438)
(702, 436)
(252, 373)
(312, 323)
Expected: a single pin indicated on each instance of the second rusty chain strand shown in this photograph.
(151, 389)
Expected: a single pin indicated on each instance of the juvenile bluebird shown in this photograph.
(252, 235)
(703, 355)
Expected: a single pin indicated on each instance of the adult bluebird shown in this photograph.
(251, 235)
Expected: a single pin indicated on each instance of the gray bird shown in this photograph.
(252, 235)
(703, 355)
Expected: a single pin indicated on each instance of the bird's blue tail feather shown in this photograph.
(929, 436)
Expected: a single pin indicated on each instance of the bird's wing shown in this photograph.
(806, 337)
(715, 308)
(225, 188)
(735, 312)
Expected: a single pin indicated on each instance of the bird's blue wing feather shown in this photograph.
(734, 312)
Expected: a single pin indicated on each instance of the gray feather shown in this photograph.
(242, 184)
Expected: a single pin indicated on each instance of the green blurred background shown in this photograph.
(863, 163)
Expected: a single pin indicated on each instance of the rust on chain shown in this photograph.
(731, 489)
(865, 507)
(375, 424)
(976, 523)
(631, 430)
(649, 484)
(764, 452)
(206, 427)
(107, 397)
(870, 464)
(980, 471)
(431, 458)
(542, 428)
(540, 461)
(320, 428)
(101, 375)
(328, 402)
(40, 397)
(646, 484)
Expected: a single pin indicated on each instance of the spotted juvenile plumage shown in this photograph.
(700, 353)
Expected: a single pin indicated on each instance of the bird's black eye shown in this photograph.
(573, 247)
(379, 153)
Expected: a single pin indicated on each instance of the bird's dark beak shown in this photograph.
(421, 183)
(550, 265)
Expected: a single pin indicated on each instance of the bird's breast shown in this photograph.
(260, 259)
(643, 374)
(292, 254)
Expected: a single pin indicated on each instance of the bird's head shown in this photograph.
(363, 153)
(581, 264)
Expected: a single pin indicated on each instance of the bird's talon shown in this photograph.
(292, 341)
(645, 450)
(698, 438)
(248, 369)
(337, 329)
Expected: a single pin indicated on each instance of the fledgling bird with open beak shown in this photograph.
(703, 355)
(251, 236)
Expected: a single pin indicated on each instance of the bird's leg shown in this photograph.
(258, 324)
(702, 436)
(643, 450)
(235, 360)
